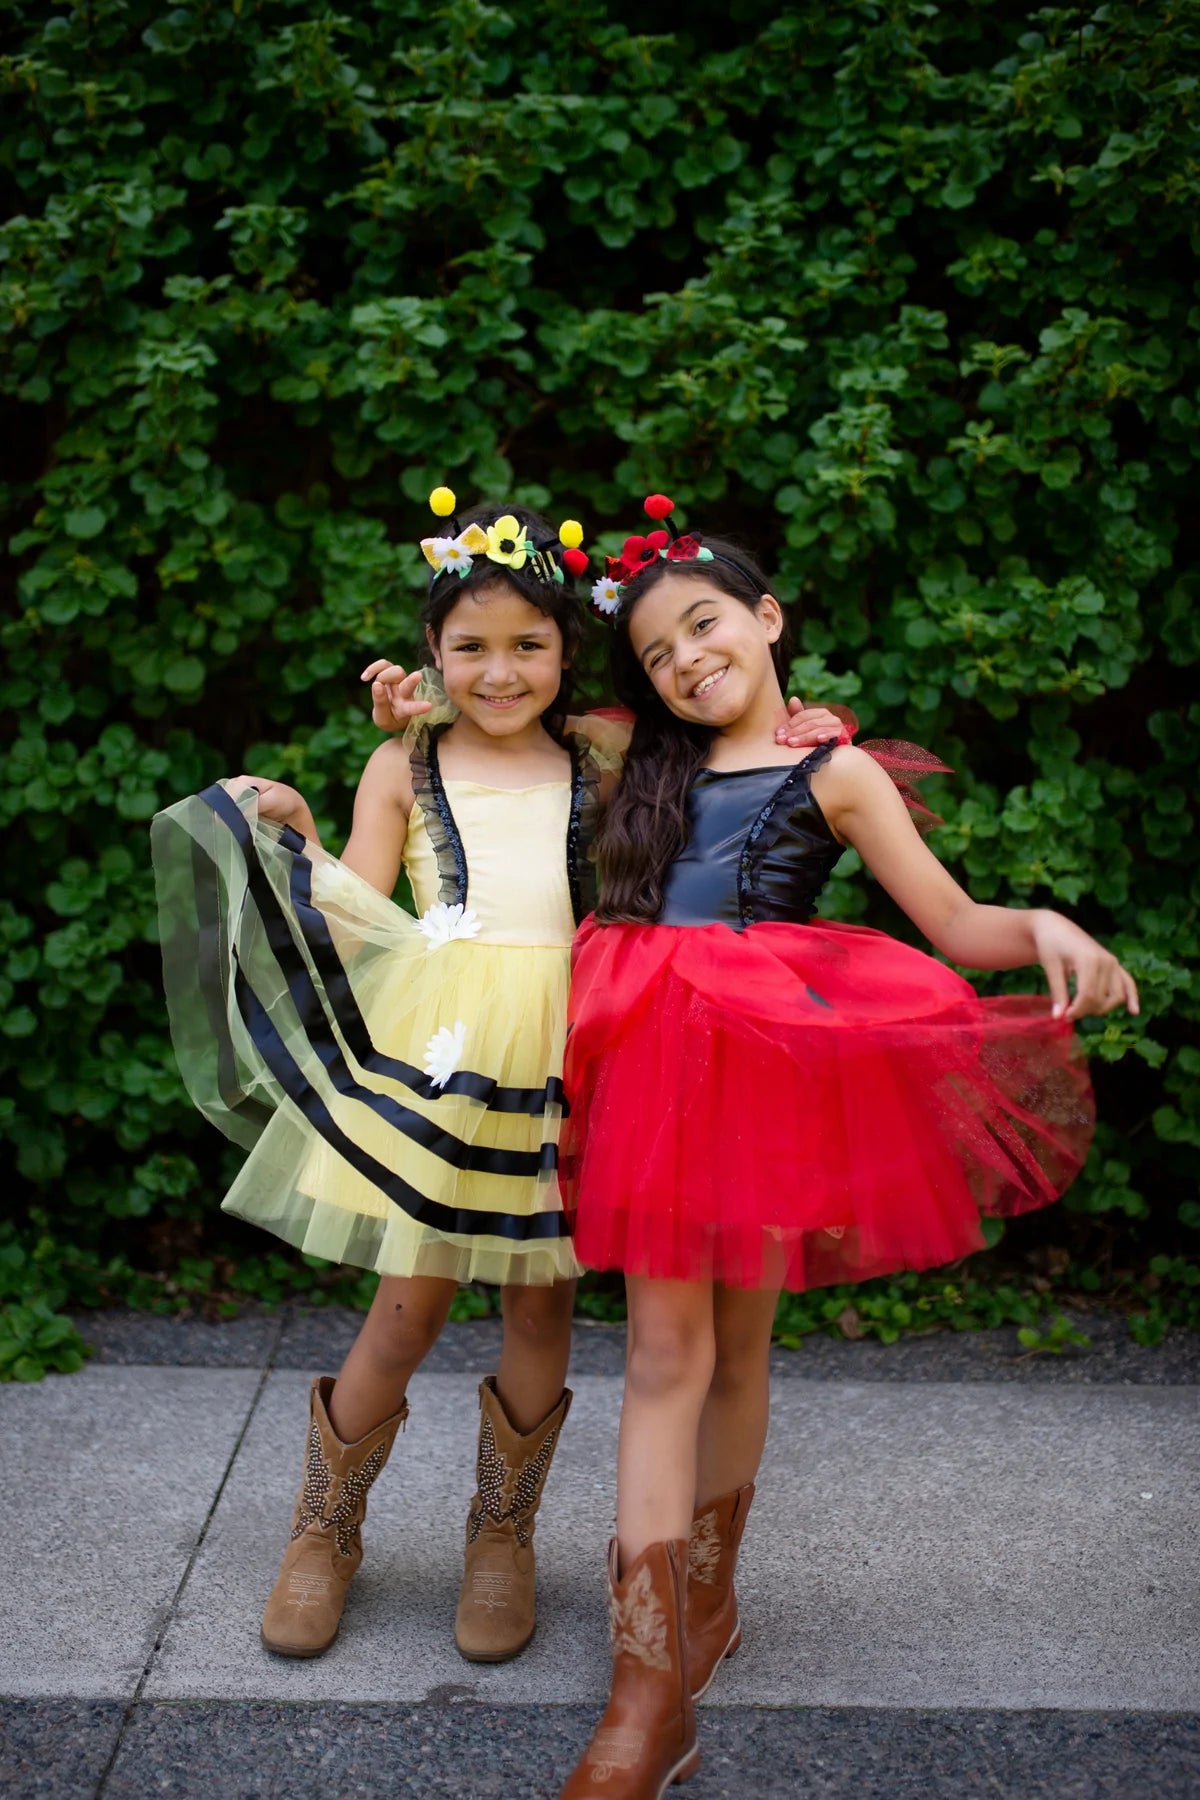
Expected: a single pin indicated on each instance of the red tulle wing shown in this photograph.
(907, 764)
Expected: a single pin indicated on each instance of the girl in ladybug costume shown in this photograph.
(762, 1100)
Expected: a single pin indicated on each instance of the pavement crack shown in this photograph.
(135, 1700)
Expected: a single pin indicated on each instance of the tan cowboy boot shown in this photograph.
(647, 1737)
(714, 1630)
(496, 1607)
(305, 1608)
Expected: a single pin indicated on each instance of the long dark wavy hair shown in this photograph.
(559, 602)
(645, 826)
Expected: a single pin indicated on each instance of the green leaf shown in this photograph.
(84, 522)
(184, 675)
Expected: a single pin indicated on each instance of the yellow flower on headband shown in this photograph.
(507, 542)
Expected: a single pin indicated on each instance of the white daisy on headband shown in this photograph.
(606, 595)
(454, 552)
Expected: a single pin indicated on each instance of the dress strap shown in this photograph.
(587, 766)
(430, 794)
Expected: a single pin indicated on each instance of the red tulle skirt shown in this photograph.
(797, 1105)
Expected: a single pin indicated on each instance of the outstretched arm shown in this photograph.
(276, 800)
(382, 805)
(863, 807)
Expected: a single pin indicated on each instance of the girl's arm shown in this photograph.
(279, 802)
(863, 808)
(382, 806)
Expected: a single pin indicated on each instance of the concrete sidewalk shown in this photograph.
(966, 1573)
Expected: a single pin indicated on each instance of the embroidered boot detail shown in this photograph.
(491, 1589)
(714, 1629)
(704, 1548)
(614, 1749)
(637, 1622)
(308, 1590)
(496, 1604)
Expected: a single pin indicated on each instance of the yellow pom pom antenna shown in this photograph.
(442, 502)
(570, 534)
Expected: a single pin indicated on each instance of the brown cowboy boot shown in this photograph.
(304, 1611)
(647, 1737)
(496, 1607)
(714, 1630)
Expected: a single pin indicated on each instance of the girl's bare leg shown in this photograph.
(668, 1369)
(406, 1316)
(733, 1425)
(534, 1352)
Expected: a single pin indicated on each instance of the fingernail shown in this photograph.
(1056, 1012)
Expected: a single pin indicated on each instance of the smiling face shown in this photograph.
(707, 654)
(501, 659)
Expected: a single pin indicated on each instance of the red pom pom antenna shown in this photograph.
(658, 506)
(575, 562)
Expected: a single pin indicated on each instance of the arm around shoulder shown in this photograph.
(609, 737)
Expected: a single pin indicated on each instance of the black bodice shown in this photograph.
(758, 848)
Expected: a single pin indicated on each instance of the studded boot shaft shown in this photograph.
(647, 1737)
(496, 1604)
(714, 1629)
(304, 1611)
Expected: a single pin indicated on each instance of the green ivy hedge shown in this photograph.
(903, 292)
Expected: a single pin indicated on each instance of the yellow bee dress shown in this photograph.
(396, 1079)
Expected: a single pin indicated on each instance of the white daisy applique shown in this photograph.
(333, 884)
(443, 1052)
(441, 923)
(606, 595)
(454, 552)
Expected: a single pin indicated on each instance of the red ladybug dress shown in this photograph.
(761, 1098)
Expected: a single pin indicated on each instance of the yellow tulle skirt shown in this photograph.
(399, 1093)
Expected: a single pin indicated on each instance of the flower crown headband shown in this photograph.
(642, 553)
(504, 541)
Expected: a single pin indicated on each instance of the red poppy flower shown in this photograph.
(637, 554)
